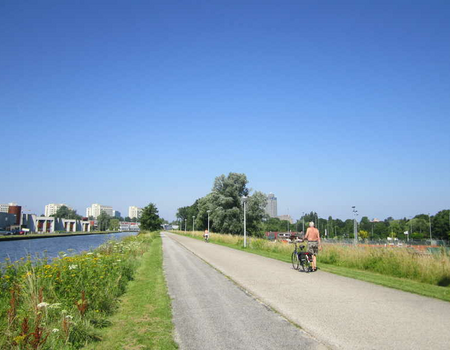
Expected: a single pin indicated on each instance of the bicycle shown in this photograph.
(300, 257)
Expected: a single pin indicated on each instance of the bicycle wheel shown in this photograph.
(294, 260)
(306, 264)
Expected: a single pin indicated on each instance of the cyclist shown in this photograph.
(206, 236)
(313, 238)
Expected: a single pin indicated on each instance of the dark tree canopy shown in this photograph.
(150, 220)
(65, 213)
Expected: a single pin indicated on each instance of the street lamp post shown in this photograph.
(193, 224)
(244, 201)
(429, 218)
(185, 225)
(355, 229)
(208, 211)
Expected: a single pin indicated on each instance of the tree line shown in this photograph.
(225, 208)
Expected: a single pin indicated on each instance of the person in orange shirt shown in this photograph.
(313, 238)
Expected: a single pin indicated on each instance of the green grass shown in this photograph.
(359, 266)
(144, 319)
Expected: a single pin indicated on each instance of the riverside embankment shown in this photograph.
(66, 303)
(50, 235)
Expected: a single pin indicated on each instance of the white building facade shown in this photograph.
(134, 212)
(271, 208)
(95, 210)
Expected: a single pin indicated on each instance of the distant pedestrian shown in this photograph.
(313, 238)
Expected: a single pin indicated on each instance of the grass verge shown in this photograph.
(144, 318)
(282, 252)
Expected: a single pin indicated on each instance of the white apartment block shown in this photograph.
(95, 210)
(271, 208)
(4, 208)
(134, 212)
(52, 208)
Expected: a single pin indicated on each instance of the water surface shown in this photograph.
(52, 246)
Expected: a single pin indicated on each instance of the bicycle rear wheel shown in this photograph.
(294, 260)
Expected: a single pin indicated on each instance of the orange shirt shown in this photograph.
(312, 234)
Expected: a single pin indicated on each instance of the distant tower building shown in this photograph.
(95, 210)
(116, 214)
(271, 208)
(52, 208)
(134, 212)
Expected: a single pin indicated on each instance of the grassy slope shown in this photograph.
(403, 284)
(144, 320)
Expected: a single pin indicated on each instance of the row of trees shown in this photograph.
(417, 227)
(225, 208)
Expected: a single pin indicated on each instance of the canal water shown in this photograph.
(17, 249)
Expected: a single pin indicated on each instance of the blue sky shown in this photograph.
(326, 104)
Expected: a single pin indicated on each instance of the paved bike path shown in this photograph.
(339, 311)
(211, 312)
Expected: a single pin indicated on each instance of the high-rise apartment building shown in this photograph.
(271, 208)
(52, 208)
(134, 212)
(95, 210)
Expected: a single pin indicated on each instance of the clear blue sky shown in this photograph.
(327, 104)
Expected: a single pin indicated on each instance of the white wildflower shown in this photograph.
(69, 317)
(41, 305)
(55, 330)
(54, 306)
(73, 267)
(89, 253)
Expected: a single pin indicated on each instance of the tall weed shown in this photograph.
(59, 303)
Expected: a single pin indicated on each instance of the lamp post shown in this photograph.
(303, 222)
(193, 224)
(208, 211)
(429, 218)
(185, 225)
(244, 202)
(355, 229)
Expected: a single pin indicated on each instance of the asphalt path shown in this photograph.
(337, 311)
(212, 312)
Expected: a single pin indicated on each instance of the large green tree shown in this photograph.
(225, 207)
(440, 225)
(65, 212)
(103, 221)
(114, 224)
(150, 220)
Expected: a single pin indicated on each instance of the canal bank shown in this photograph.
(52, 235)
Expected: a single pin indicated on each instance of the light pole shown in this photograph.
(193, 224)
(355, 229)
(185, 225)
(208, 211)
(429, 218)
(303, 222)
(244, 201)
